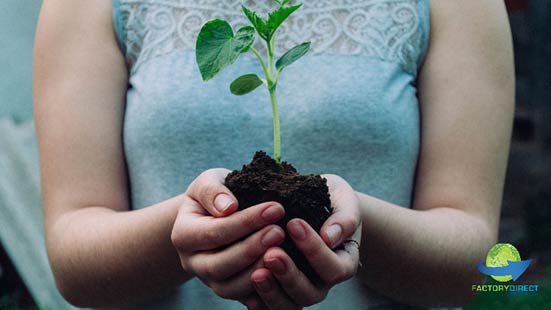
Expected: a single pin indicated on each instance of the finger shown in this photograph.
(254, 302)
(345, 219)
(193, 232)
(297, 286)
(331, 267)
(208, 189)
(270, 291)
(238, 287)
(231, 260)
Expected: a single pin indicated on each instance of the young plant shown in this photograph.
(218, 47)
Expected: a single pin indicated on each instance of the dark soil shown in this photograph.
(302, 196)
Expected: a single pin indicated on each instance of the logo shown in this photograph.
(503, 263)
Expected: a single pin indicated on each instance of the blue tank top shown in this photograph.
(348, 108)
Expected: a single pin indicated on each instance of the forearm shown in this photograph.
(424, 258)
(102, 258)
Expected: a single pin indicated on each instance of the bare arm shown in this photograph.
(101, 253)
(428, 255)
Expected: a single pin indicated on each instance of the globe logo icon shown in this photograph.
(503, 263)
(499, 256)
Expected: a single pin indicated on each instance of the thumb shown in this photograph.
(345, 219)
(209, 191)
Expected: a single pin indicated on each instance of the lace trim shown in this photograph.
(386, 29)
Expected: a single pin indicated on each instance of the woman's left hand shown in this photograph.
(281, 285)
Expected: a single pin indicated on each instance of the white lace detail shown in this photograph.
(386, 29)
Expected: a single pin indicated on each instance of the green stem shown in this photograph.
(277, 76)
(277, 137)
(262, 63)
(272, 84)
(271, 57)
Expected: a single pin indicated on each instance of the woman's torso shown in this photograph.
(349, 107)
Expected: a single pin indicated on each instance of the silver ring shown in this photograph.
(356, 244)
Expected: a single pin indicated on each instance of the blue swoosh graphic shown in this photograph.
(514, 269)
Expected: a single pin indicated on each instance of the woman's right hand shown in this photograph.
(218, 245)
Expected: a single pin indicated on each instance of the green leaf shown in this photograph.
(245, 84)
(282, 3)
(278, 16)
(292, 55)
(267, 28)
(258, 22)
(217, 47)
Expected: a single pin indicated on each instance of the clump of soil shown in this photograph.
(302, 196)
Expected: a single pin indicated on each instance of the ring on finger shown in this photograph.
(355, 244)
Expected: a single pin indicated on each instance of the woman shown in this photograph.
(411, 128)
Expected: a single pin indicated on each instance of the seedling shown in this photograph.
(218, 47)
(265, 179)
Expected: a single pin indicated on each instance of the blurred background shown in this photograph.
(26, 282)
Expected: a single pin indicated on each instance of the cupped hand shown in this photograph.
(218, 245)
(334, 255)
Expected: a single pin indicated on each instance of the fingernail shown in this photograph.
(334, 233)
(273, 213)
(276, 265)
(272, 237)
(222, 202)
(297, 230)
(263, 285)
